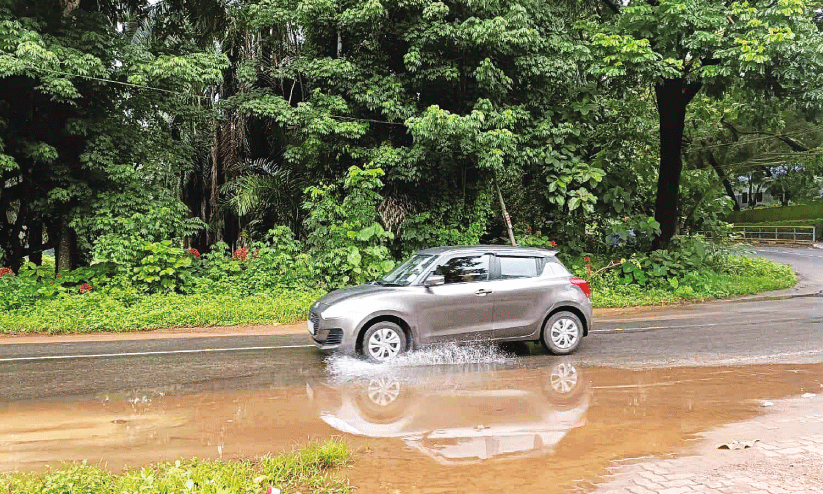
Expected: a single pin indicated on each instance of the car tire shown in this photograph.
(562, 333)
(383, 341)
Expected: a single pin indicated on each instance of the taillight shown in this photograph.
(583, 284)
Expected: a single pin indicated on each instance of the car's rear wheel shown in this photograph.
(562, 333)
(384, 341)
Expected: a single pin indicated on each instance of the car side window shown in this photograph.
(518, 267)
(465, 269)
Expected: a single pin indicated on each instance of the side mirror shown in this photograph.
(435, 280)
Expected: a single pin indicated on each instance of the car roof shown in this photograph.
(489, 249)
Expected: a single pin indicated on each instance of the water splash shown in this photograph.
(440, 359)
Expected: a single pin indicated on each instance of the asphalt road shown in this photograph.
(784, 327)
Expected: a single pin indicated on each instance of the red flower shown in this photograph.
(194, 252)
(6, 271)
(85, 288)
(587, 260)
(240, 253)
(554, 244)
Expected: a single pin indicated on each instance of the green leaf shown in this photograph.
(354, 257)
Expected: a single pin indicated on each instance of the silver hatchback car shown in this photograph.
(493, 293)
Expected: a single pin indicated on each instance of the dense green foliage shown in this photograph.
(761, 51)
(205, 148)
(108, 312)
(307, 468)
(92, 129)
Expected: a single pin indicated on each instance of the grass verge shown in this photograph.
(101, 312)
(705, 287)
(307, 468)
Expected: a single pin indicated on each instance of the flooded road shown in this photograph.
(422, 426)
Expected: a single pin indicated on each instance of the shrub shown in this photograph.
(35, 283)
(348, 243)
(275, 263)
(698, 271)
(158, 266)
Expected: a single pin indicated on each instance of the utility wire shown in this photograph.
(367, 120)
(169, 91)
(112, 81)
(752, 163)
(758, 139)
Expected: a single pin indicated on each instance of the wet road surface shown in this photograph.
(754, 331)
(645, 383)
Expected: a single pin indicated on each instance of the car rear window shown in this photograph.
(518, 267)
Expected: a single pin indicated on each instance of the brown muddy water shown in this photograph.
(435, 429)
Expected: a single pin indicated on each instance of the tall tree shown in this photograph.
(85, 114)
(764, 48)
(444, 96)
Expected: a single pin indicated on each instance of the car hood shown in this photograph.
(351, 292)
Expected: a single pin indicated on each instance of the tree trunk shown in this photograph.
(35, 236)
(506, 218)
(66, 244)
(673, 95)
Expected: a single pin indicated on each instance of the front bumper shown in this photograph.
(330, 334)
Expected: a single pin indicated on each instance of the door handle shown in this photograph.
(482, 292)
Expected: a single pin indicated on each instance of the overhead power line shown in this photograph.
(753, 163)
(178, 93)
(758, 139)
(113, 81)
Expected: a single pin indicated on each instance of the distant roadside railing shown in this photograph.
(776, 234)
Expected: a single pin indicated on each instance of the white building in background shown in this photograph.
(761, 198)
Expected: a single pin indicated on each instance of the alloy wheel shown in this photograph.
(564, 333)
(384, 344)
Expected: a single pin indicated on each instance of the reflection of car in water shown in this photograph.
(459, 414)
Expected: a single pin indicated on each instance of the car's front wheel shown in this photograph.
(384, 341)
(562, 333)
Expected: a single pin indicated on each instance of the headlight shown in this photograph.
(336, 311)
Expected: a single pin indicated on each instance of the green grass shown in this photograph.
(100, 312)
(812, 210)
(307, 468)
(707, 287)
(787, 223)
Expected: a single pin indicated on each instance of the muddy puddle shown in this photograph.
(485, 424)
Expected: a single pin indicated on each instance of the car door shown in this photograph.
(520, 296)
(463, 307)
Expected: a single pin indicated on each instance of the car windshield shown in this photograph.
(407, 272)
